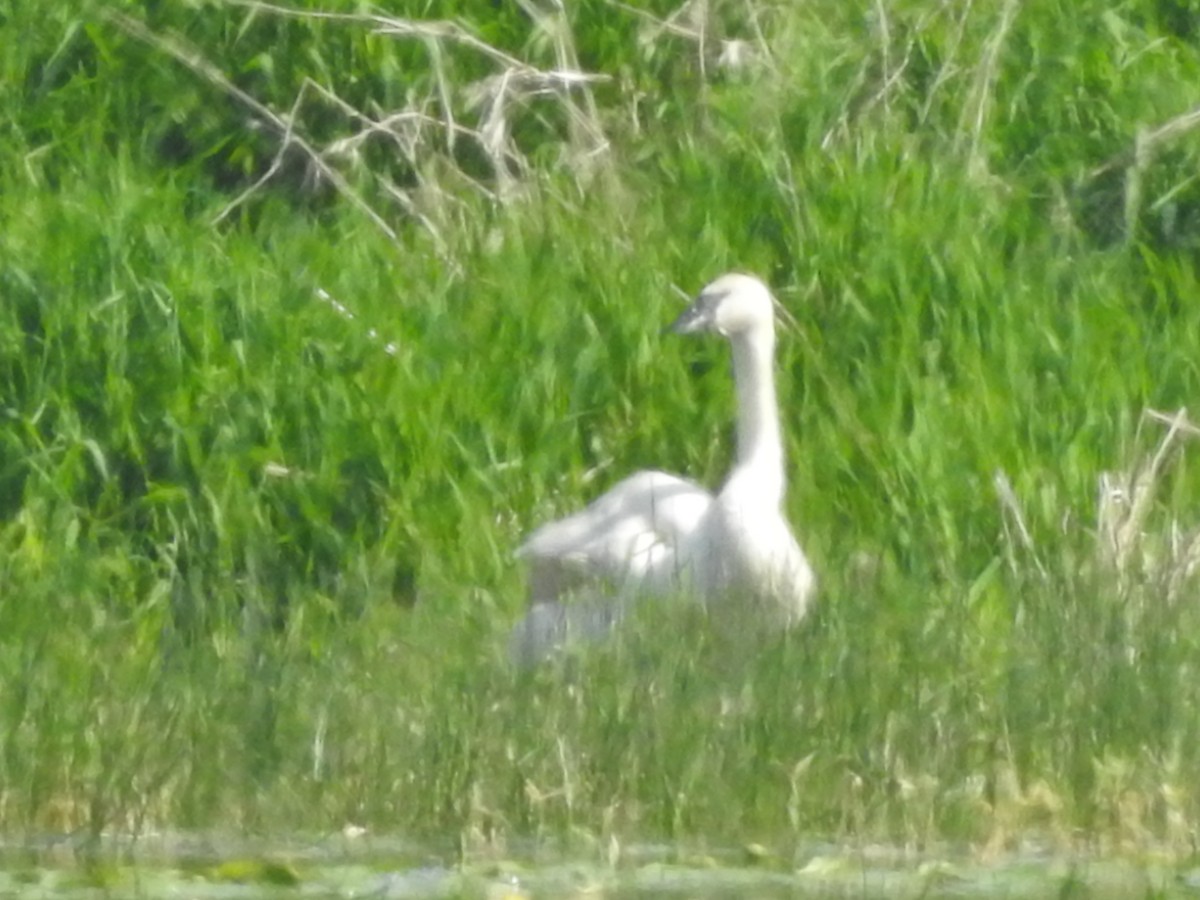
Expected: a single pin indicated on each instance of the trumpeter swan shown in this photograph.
(655, 533)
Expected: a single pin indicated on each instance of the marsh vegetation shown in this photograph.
(306, 320)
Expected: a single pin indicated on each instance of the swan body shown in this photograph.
(655, 533)
(630, 534)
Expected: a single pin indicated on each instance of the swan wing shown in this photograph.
(635, 528)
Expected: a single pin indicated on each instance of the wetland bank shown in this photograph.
(256, 570)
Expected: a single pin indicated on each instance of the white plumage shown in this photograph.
(655, 534)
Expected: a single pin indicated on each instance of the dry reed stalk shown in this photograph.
(177, 49)
(413, 130)
(1126, 549)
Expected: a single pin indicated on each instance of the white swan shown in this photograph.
(655, 533)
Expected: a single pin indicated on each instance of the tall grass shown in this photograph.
(256, 570)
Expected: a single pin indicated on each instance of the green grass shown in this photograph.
(257, 571)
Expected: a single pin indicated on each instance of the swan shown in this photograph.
(654, 533)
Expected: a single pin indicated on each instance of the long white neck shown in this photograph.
(760, 442)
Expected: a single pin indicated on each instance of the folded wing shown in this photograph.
(631, 535)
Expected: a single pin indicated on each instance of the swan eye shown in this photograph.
(710, 300)
(702, 314)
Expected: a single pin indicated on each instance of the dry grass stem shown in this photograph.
(975, 110)
(689, 21)
(1128, 499)
(1124, 504)
(1136, 160)
(1014, 522)
(1148, 139)
(391, 348)
(174, 47)
(949, 69)
(433, 29)
(413, 131)
(893, 72)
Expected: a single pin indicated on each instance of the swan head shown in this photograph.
(732, 305)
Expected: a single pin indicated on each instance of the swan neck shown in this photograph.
(760, 442)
